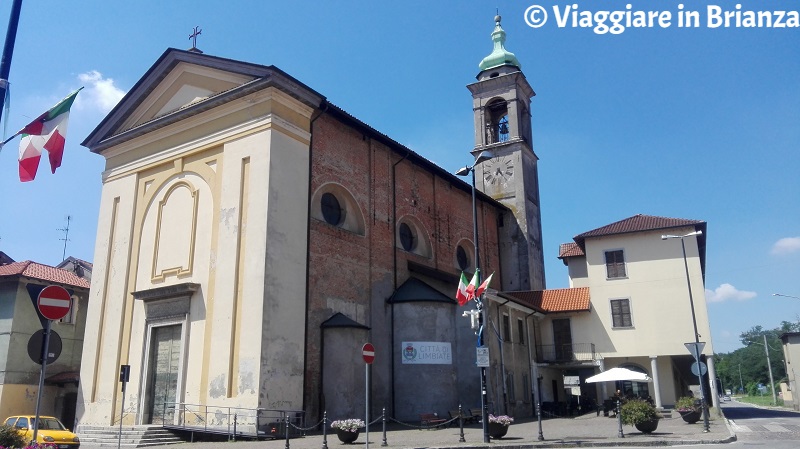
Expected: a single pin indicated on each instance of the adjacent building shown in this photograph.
(791, 357)
(20, 284)
(628, 305)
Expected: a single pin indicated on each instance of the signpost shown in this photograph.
(36, 347)
(368, 354)
(124, 377)
(53, 303)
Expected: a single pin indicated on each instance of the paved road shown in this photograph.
(757, 425)
(584, 431)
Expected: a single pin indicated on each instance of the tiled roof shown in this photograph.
(76, 261)
(42, 272)
(556, 300)
(637, 223)
(569, 250)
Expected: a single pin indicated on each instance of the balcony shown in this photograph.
(566, 353)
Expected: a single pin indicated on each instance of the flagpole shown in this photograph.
(8, 51)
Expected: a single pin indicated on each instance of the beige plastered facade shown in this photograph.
(191, 222)
(656, 287)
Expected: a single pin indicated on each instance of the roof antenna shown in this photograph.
(66, 237)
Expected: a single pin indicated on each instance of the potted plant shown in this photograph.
(640, 414)
(347, 429)
(689, 409)
(498, 425)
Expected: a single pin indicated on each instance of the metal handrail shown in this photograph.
(567, 352)
(228, 420)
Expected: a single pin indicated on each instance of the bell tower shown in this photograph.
(501, 100)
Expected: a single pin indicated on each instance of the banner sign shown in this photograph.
(426, 353)
(572, 381)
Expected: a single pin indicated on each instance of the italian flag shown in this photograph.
(462, 296)
(473, 284)
(483, 286)
(47, 132)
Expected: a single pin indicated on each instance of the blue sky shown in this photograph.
(697, 123)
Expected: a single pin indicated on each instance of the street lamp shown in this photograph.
(694, 323)
(769, 367)
(480, 157)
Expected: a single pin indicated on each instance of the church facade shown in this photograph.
(253, 236)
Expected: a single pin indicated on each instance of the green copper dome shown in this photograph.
(499, 56)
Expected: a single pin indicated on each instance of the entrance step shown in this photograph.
(130, 436)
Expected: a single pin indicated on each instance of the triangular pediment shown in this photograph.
(182, 84)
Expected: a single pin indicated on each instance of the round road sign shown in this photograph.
(699, 369)
(36, 344)
(368, 352)
(53, 302)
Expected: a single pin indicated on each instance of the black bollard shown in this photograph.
(461, 425)
(325, 430)
(383, 418)
(287, 431)
(619, 420)
(539, 418)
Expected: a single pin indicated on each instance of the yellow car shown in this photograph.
(51, 431)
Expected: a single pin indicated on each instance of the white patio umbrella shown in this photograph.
(615, 374)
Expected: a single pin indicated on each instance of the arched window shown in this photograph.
(407, 238)
(336, 206)
(497, 129)
(462, 258)
(331, 209)
(412, 237)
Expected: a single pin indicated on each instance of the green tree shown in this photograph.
(747, 366)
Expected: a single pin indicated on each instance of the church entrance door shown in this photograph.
(163, 372)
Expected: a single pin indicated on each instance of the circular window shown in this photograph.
(407, 239)
(462, 258)
(331, 209)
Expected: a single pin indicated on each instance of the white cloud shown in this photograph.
(786, 245)
(727, 292)
(99, 92)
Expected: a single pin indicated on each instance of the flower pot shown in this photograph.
(647, 426)
(497, 430)
(691, 416)
(345, 436)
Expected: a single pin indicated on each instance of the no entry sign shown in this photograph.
(368, 352)
(53, 302)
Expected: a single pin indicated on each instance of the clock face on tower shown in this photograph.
(498, 170)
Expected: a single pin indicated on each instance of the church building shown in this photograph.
(253, 235)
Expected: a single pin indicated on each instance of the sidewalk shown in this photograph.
(587, 430)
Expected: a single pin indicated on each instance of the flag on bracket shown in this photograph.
(483, 285)
(47, 132)
(461, 295)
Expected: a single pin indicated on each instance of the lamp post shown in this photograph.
(480, 157)
(769, 367)
(703, 403)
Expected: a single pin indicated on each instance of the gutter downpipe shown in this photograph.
(532, 366)
(394, 270)
(323, 109)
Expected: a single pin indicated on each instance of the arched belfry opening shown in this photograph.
(497, 122)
